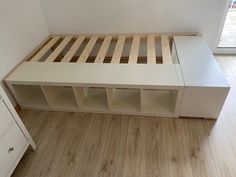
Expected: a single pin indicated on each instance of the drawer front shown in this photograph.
(5, 117)
(10, 147)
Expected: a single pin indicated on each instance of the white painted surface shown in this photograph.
(127, 100)
(16, 117)
(159, 101)
(5, 118)
(203, 102)
(17, 160)
(198, 65)
(15, 140)
(94, 99)
(135, 16)
(65, 87)
(30, 96)
(106, 75)
(205, 88)
(23, 27)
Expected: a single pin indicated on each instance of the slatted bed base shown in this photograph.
(115, 49)
(125, 74)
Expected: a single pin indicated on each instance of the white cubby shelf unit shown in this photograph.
(121, 73)
(134, 101)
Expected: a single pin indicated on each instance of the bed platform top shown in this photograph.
(125, 60)
(114, 49)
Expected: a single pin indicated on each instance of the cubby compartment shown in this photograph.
(160, 102)
(93, 98)
(60, 96)
(124, 100)
(30, 96)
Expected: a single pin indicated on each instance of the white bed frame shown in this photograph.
(175, 76)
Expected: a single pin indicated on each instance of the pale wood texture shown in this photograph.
(45, 49)
(133, 57)
(103, 50)
(59, 49)
(97, 145)
(74, 48)
(55, 48)
(151, 50)
(89, 47)
(166, 55)
(118, 50)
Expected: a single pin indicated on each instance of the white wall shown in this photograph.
(22, 28)
(110, 16)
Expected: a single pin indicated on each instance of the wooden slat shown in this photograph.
(133, 57)
(151, 50)
(166, 55)
(74, 48)
(59, 49)
(118, 50)
(103, 50)
(45, 49)
(86, 52)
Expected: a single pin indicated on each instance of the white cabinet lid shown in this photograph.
(198, 65)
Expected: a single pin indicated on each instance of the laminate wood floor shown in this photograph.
(103, 145)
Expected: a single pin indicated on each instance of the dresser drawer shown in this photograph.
(11, 146)
(5, 117)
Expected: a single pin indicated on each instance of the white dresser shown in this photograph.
(14, 138)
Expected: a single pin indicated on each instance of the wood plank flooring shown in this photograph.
(104, 145)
